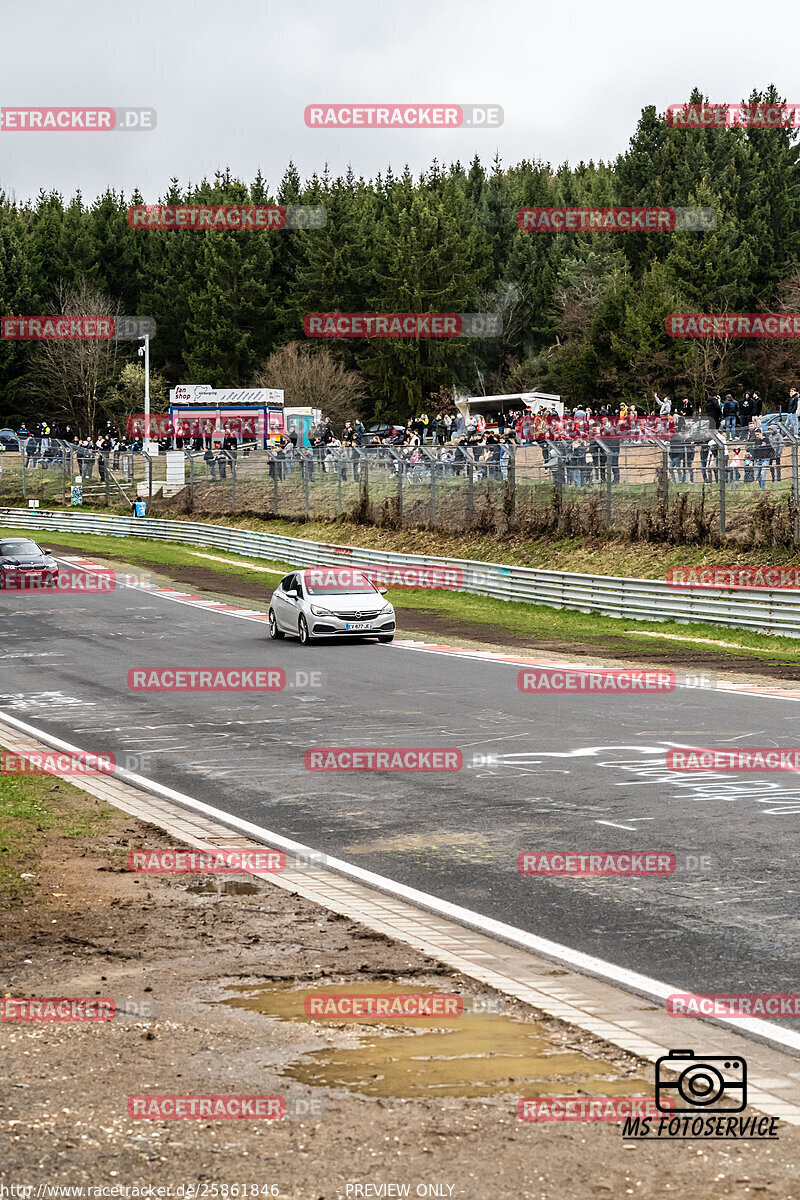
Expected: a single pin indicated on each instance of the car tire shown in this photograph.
(274, 632)
(302, 630)
(386, 637)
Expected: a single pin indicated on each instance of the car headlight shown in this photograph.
(387, 608)
(319, 611)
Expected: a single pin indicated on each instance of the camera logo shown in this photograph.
(702, 1083)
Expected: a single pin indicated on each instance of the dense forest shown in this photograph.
(583, 313)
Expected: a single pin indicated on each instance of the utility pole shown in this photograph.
(144, 352)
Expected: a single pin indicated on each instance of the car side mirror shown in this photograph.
(383, 591)
(293, 592)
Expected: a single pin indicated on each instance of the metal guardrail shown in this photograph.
(773, 611)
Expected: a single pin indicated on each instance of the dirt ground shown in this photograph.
(89, 927)
(413, 620)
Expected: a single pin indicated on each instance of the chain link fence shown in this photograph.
(678, 491)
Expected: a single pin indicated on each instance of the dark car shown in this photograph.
(23, 564)
(374, 432)
(8, 440)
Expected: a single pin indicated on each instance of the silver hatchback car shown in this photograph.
(330, 602)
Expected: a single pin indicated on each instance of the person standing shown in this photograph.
(730, 411)
(775, 439)
(89, 455)
(688, 452)
(713, 411)
(230, 448)
(791, 421)
(762, 452)
(677, 455)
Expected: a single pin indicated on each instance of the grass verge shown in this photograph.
(30, 807)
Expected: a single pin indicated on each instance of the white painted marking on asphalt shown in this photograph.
(614, 825)
(586, 963)
(237, 563)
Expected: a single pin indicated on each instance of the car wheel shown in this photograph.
(386, 637)
(274, 632)
(302, 629)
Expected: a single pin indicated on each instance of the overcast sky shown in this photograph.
(230, 80)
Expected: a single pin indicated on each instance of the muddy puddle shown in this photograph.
(477, 1053)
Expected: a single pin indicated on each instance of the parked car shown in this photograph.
(24, 564)
(330, 602)
(8, 440)
(374, 432)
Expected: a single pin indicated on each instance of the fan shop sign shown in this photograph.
(200, 393)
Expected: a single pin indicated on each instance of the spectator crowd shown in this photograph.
(580, 446)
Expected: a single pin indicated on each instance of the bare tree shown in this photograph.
(126, 397)
(311, 377)
(69, 378)
(778, 359)
(706, 364)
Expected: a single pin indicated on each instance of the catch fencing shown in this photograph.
(692, 491)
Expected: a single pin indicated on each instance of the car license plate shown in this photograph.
(359, 625)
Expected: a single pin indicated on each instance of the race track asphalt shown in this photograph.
(572, 772)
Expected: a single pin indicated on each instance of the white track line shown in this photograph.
(587, 964)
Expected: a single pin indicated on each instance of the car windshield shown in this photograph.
(17, 549)
(332, 581)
